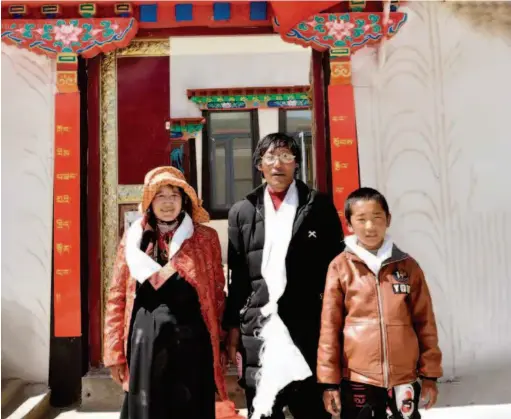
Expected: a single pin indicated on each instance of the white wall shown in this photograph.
(27, 194)
(434, 136)
(232, 61)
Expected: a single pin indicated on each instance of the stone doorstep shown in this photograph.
(10, 389)
(25, 401)
(101, 393)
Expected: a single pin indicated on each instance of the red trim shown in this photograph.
(203, 31)
(318, 101)
(94, 211)
(185, 121)
(237, 91)
(202, 13)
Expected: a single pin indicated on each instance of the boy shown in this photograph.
(378, 331)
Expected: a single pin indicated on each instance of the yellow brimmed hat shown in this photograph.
(170, 176)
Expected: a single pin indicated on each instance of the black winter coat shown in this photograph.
(316, 239)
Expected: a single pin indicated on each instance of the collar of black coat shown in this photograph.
(305, 199)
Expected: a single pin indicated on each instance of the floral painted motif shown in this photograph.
(184, 128)
(293, 100)
(337, 30)
(87, 37)
(67, 34)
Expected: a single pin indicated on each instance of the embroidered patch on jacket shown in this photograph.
(401, 288)
(400, 276)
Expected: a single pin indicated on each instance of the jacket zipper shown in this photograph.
(383, 335)
(382, 325)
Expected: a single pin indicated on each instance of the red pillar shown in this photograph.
(66, 217)
(65, 346)
(343, 130)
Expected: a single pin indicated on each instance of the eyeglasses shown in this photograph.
(285, 158)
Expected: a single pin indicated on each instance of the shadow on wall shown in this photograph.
(23, 346)
(491, 387)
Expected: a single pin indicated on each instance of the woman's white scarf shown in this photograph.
(280, 360)
(373, 262)
(141, 265)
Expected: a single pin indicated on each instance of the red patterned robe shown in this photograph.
(199, 261)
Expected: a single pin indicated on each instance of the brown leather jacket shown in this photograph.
(377, 331)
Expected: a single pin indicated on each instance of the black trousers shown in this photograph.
(304, 400)
(361, 401)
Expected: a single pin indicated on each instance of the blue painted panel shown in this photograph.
(221, 11)
(148, 12)
(184, 12)
(258, 10)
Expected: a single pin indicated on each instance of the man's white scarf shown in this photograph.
(373, 262)
(141, 265)
(281, 361)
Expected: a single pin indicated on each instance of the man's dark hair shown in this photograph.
(276, 140)
(364, 194)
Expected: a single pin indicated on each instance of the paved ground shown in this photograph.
(464, 412)
(486, 395)
(76, 414)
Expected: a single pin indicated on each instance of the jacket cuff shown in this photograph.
(428, 378)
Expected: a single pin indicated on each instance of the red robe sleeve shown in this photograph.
(219, 278)
(113, 339)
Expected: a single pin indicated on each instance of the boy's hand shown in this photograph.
(332, 401)
(429, 393)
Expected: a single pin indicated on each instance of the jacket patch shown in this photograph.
(400, 276)
(401, 288)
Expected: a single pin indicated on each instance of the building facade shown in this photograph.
(430, 130)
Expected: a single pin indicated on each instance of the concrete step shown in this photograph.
(100, 393)
(25, 401)
(10, 389)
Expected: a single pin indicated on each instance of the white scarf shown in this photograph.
(373, 262)
(141, 265)
(281, 361)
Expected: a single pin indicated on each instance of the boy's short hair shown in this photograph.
(276, 140)
(364, 194)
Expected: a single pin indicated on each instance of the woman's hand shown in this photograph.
(233, 340)
(118, 373)
(429, 393)
(332, 401)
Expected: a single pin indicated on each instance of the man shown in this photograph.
(282, 237)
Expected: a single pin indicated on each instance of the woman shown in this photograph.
(162, 321)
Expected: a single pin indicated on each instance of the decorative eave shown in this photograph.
(250, 97)
(339, 30)
(85, 37)
(184, 128)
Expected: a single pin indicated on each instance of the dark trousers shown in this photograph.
(361, 401)
(303, 398)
